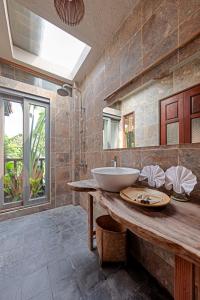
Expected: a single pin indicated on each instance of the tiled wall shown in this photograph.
(61, 159)
(153, 29)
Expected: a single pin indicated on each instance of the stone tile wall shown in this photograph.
(150, 33)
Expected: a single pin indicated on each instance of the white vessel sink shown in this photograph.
(114, 179)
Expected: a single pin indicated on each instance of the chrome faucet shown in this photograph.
(114, 161)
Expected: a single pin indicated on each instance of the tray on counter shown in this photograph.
(134, 196)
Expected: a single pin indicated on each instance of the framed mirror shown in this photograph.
(141, 119)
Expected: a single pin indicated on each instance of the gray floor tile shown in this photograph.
(45, 295)
(89, 277)
(35, 283)
(60, 269)
(82, 257)
(12, 242)
(13, 292)
(6, 280)
(67, 290)
(102, 292)
(10, 272)
(33, 247)
(12, 256)
(121, 284)
(33, 263)
(45, 257)
(54, 253)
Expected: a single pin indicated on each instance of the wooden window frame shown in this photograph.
(185, 117)
(180, 119)
(188, 112)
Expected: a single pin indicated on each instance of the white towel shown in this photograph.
(154, 174)
(180, 179)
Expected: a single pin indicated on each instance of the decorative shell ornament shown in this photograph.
(180, 179)
(154, 174)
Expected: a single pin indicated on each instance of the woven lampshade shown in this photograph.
(71, 12)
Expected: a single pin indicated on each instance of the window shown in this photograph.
(24, 150)
(111, 125)
(129, 130)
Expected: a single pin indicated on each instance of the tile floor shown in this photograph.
(45, 257)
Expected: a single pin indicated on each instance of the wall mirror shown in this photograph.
(143, 119)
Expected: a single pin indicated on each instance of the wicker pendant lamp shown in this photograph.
(71, 12)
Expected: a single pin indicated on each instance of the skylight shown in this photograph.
(60, 48)
(41, 44)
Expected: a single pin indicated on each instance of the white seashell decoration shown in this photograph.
(154, 174)
(180, 179)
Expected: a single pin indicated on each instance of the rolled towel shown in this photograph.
(154, 174)
(181, 179)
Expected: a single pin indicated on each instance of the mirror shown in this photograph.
(143, 119)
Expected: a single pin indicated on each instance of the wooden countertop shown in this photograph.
(175, 228)
(84, 185)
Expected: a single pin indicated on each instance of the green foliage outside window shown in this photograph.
(13, 146)
(130, 139)
(13, 178)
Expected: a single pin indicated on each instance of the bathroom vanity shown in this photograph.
(176, 228)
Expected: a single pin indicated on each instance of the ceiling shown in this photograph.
(102, 19)
(26, 28)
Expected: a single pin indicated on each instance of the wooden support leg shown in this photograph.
(184, 279)
(90, 222)
(197, 282)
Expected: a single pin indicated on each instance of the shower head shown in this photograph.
(64, 91)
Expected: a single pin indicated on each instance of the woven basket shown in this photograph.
(111, 240)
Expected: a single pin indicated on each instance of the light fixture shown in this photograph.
(71, 12)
